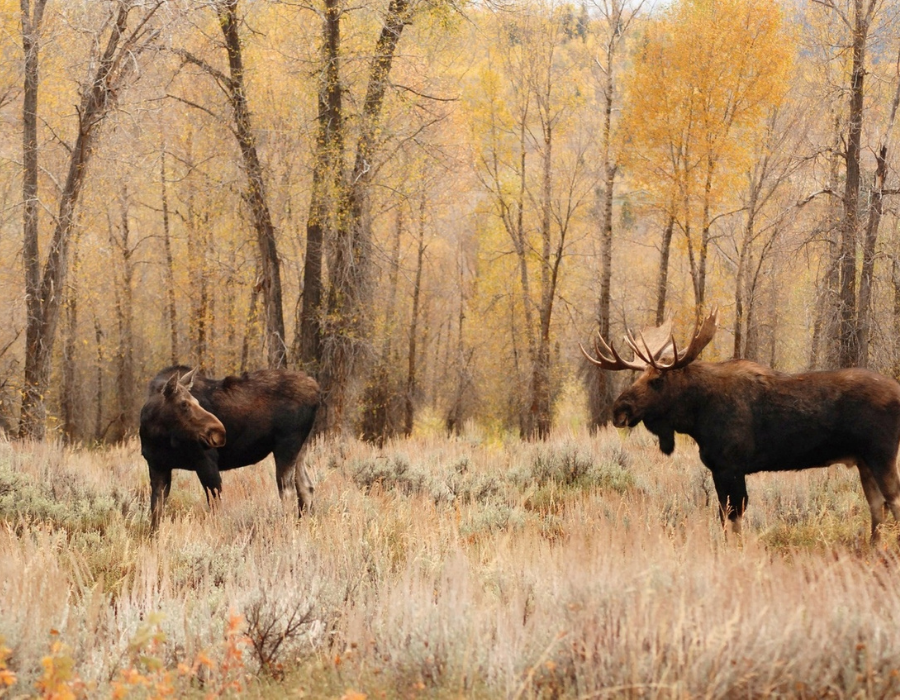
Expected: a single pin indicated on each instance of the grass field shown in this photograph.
(584, 567)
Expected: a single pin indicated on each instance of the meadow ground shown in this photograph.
(583, 567)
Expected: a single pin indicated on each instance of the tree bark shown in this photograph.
(327, 186)
(32, 418)
(662, 278)
(876, 210)
(68, 398)
(411, 372)
(848, 355)
(124, 421)
(170, 262)
(256, 192)
(740, 287)
(101, 364)
(198, 250)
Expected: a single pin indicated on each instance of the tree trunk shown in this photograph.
(170, 263)
(350, 273)
(98, 98)
(198, 236)
(124, 421)
(393, 280)
(541, 403)
(824, 354)
(600, 381)
(378, 423)
(847, 333)
(411, 378)
(101, 364)
(33, 411)
(326, 188)
(740, 286)
(456, 416)
(876, 209)
(662, 278)
(256, 192)
(68, 400)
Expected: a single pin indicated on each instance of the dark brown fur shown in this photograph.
(748, 418)
(264, 412)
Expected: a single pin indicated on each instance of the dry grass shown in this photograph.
(583, 567)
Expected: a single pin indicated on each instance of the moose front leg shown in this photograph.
(731, 488)
(160, 485)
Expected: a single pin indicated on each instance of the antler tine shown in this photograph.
(632, 343)
(650, 358)
(590, 359)
(663, 365)
(702, 336)
(604, 350)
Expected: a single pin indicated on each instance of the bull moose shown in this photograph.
(747, 418)
(208, 426)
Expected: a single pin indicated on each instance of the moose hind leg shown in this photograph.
(874, 496)
(289, 470)
(889, 483)
(731, 488)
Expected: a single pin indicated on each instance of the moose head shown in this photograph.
(186, 419)
(655, 397)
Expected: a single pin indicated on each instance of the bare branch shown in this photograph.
(189, 103)
(422, 94)
(225, 83)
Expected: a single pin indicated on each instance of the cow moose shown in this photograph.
(747, 418)
(208, 426)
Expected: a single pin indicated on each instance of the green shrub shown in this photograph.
(574, 466)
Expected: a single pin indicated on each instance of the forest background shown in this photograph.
(429, 204)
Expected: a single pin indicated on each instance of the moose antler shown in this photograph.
(702, 335)
(651, 346)
(655, 343)
(608, 358)
(659, 343)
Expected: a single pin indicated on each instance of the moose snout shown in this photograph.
(214, 436)
(624, 415)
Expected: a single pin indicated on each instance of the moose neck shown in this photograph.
(689, 390)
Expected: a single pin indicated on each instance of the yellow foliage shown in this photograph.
(353, 695)
(705, 76)
(7, 677)
(59, 680)
(147, 670)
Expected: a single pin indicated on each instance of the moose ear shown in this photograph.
(187, 381)
(169, 387)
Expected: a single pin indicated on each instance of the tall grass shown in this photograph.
(580, 567)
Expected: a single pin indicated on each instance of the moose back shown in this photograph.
(208, 426)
